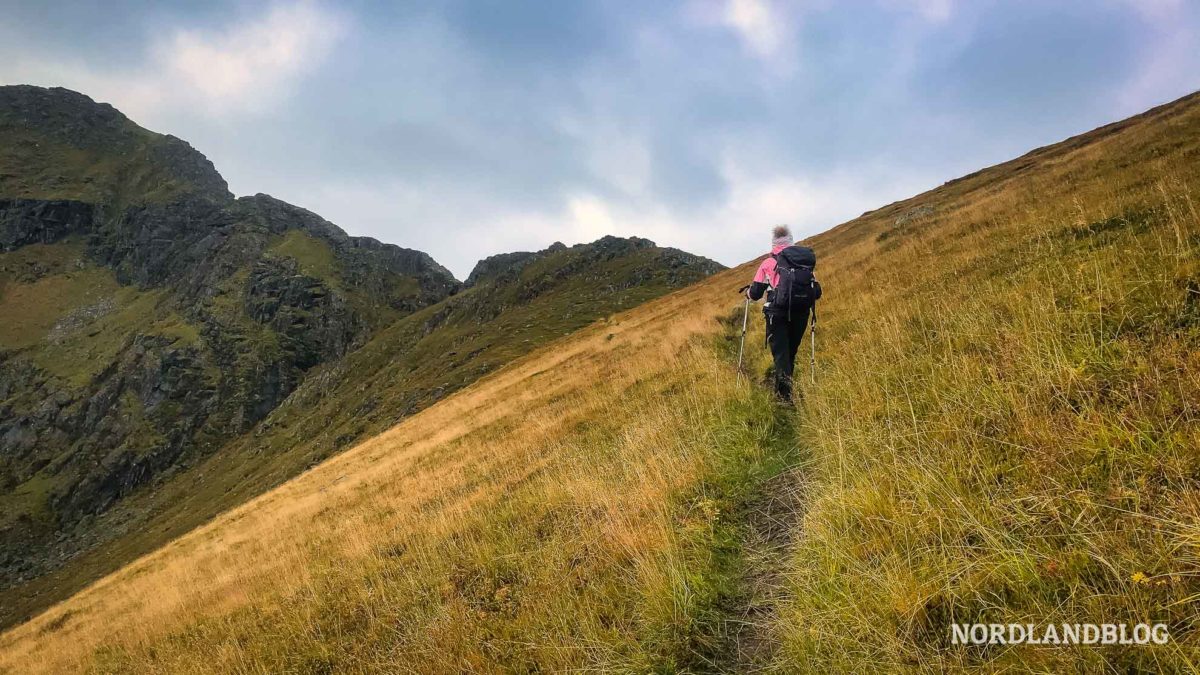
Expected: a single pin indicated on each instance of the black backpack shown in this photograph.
(797, 286)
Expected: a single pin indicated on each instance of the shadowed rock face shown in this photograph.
(507, 266)
(208, 318)
(37, 221)
(493, 266)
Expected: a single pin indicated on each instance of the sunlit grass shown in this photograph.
(1004, 429)
(553, 514)
(1007, 425)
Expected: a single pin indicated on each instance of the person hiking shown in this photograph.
(786, 278)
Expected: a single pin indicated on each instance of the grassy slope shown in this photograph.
(1008, 426)
(1005, 429)
(33, 166)
(469, 517)
(404, 368)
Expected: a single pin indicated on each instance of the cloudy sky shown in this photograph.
(467, 128)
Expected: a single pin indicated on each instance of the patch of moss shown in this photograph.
(35, 261)
(28, 500)
(82, 354)
(177, 328)
(313, 255)
(42, 304)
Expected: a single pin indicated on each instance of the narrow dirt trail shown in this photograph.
(764, 525)
(772, 526)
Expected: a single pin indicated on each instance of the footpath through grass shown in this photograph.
(587, 508)
(735, 526)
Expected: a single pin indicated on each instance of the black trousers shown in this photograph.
(784, 335)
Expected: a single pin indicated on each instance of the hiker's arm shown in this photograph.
(762, 279)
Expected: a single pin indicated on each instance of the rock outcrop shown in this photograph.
(171, 351)
(209, 311)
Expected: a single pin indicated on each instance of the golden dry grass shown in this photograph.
(1008, 429)
(1005, 428)
(556, 470)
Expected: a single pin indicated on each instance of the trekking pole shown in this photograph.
(812, 343)
(742, 344)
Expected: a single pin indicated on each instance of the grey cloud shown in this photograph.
(469, 128)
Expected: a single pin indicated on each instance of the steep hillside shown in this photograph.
(1007, 426)
(153, 324)
(1004, 429)
(150, 317)
(437, 351)
(402, 369)
(62, 145)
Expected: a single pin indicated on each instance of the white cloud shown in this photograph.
(246, 67)
(244, 64)
(766, 30)
(761, 27)
(590, 217)
(616, 153)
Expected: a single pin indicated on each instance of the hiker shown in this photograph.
(786, 277)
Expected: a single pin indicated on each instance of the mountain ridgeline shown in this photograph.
(1001, 429)
(168, 351)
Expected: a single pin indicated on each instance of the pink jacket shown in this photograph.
(766, 273)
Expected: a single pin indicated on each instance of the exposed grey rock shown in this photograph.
(78, 318)
(35, 221)
(914, 213)
(249, 321)
(492, 266)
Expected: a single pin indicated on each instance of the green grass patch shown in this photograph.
(58, 287)
(313, 255)
(696, 623)
(28, 500)
(83, 353)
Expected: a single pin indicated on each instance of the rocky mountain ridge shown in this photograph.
(159, 325)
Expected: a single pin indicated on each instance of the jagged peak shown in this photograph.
(278, 216)
(607, 247)
(34, 121)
